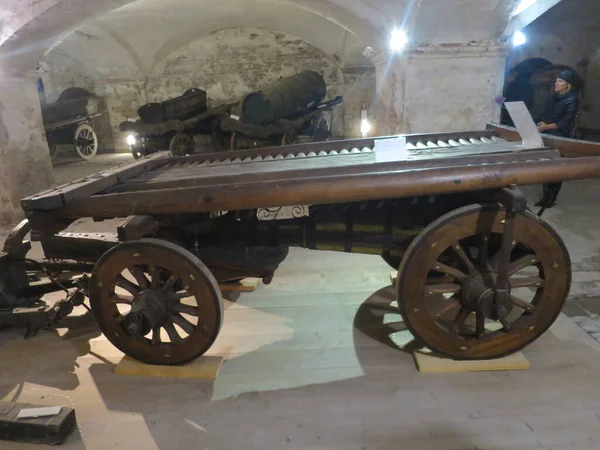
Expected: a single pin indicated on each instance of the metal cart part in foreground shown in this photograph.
(480, 275)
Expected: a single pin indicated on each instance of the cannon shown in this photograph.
(274, 115)
(287, 98)
(480, 274)
(162, 125)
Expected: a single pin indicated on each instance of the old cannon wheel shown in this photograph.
(469, 317)
(156, 302)
(182, 144)
(85, 141)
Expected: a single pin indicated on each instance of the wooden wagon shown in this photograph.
(69, 121)
(480, 275)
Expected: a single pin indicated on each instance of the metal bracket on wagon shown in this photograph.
(513, 199)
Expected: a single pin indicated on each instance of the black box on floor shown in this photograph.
(43, 430)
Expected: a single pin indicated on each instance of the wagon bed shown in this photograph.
(445, 211)
(317, 173)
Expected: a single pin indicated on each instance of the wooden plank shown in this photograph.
(205, 367)
(57, 197)
(569, 148)
(44, 430)
(137, 227)
(169, 180)
(333, 189)
(431, 363)
(247, 285)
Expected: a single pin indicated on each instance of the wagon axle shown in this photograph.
(149, 309)
(480, 294)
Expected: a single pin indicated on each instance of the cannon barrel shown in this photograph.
(285, 98)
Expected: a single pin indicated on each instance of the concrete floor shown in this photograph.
(311, 362)
(70, 167)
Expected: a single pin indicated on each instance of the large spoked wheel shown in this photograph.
(470, 314)
(182, 144)
(85, 141)
(156, 302)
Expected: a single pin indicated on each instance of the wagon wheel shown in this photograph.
(53, 149)
(182, 144)
(156, 302)
(85, 141)
(137, 154)
(469, 317)
(289, 137)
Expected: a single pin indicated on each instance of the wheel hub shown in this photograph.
(149, 309)
(479, 293)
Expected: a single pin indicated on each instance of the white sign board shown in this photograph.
(524, 124)
(393, 149)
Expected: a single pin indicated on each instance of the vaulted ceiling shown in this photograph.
(147, 30)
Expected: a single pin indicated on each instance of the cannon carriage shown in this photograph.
(480, 275)
(275, 115)
(69, 121)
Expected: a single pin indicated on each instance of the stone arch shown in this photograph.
(33, 30)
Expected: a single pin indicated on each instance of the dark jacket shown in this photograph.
(561, 110)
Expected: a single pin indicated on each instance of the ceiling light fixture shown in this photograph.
(398, 40)
(519, 39)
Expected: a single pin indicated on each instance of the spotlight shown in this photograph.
(131, 140)
(518, 39)
(398, 40)
(365, 127)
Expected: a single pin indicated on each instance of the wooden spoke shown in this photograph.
(140, 277)
(130, 287)
(484, 245)
(172, 332)
(448, 288)
(480, 324)
(463, 257)
(180, 295)
(522, 304)
(156, 336)
(121, 299)
(505, 325)
(185, 324)
(186, 309)
(460, 319)
(451, 305)
(170, 283)
(443, 268)
(154, 277)
(516, 283)
(521, 263)
(444, 279)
